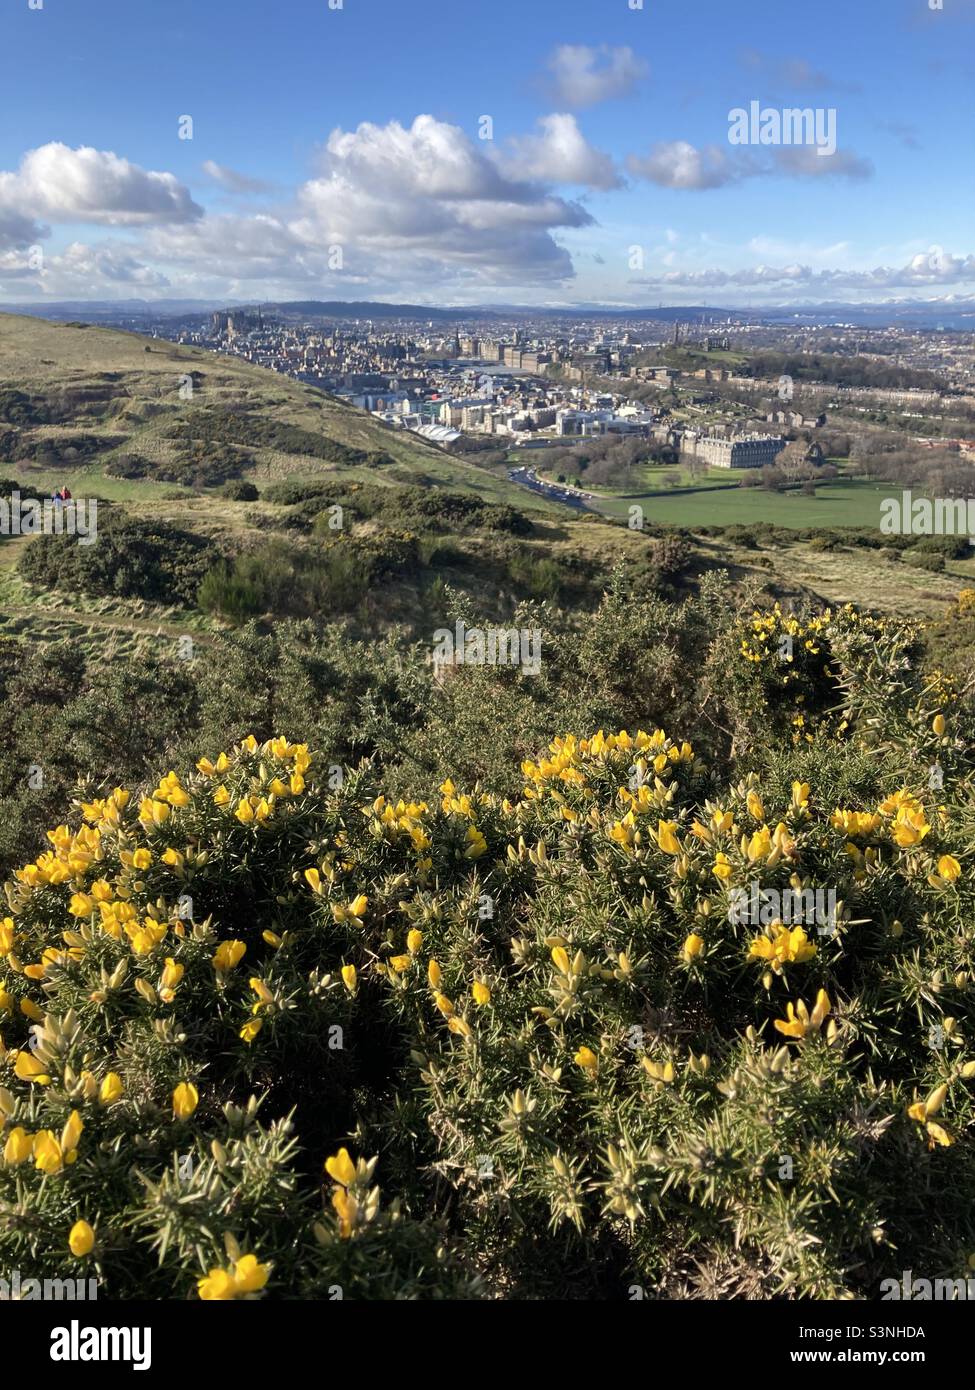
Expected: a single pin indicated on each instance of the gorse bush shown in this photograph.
(329, 578)
(134, 558)
(270, 1028)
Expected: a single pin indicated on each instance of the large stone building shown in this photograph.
(740, 451)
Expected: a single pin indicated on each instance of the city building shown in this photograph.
(740, 451)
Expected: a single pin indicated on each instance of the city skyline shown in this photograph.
(281, 163)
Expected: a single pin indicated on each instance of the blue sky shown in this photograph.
(336, 152)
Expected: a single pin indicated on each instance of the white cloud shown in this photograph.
(231, 181)
(425, 201)
(83, 267)
(560, 154)
(583, 76)
(81, 270)
(16, 228)
(679, 164)
(931, 268)
(232, 246)
(59, 184)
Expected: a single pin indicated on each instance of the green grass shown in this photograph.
(652, 480)
(846, 502)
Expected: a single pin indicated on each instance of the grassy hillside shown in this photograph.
(124, 416)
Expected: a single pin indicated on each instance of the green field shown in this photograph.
(845, 502)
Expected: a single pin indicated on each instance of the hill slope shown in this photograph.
(122, 409)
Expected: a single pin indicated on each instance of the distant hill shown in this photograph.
(370, 309)
(950, 313)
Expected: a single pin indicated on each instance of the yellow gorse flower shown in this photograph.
(251, 1029)
(111, 1089)
(781, 946)
(351, 912)
(923, 1110)
(248, 1275)
(799, 1022)
(81, 1239)
(28, 1068)
(661, 1072)
(666, 837)
(227, 955)
(340, 1168)
(18, 1147)
(587, 1060)
(52, 1154)
(185, 1100)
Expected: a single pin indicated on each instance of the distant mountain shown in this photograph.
(90, 309)
(370, 309)
(949, 313)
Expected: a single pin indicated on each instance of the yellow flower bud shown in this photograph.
(185, 1100)
(81, 1239)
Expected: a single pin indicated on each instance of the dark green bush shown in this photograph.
(131, 558)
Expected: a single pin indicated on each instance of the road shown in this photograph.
(528, 477)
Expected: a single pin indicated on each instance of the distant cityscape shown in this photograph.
(537, 383)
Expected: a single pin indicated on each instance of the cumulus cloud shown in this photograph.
(95, 267)
(81, 270)
(421, 198)
(679, 164)
(233, 246)
(16, 228)
(583, 76)
(560, 153)
(420, 207)
(231, 181)
(58, 184)
(935, 267)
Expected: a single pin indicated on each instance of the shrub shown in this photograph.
(745, 536)
(950, 547)
(298, 581)
(239, 490)
(230, 594)
(132, 558)
(925, 560)
(232, 973)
